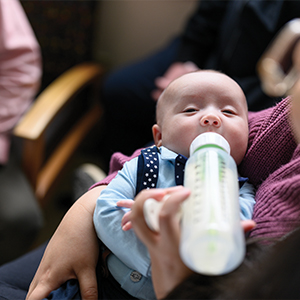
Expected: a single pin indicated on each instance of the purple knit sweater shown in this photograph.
(272, 164)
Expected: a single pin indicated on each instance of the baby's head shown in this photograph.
(198, 102)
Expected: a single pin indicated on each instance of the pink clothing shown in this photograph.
(20, 69)
(272, 164)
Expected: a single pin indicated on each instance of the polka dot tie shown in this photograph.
(179, 169)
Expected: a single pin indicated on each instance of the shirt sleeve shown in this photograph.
(247, 201)
(107, 219)
(20, 69)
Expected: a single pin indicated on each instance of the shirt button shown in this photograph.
(135, 276)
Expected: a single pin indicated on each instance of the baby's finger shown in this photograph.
(248, 225)
(125, 203)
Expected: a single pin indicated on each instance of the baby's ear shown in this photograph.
(157, 136)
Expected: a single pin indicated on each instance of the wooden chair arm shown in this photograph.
(53, 99)
(42, 172)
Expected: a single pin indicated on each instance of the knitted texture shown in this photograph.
(277, 208)
(272, 163)
(116, 163)
(271, 143)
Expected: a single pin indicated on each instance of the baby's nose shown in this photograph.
(210, 120)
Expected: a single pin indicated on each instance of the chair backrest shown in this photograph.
(64, 30)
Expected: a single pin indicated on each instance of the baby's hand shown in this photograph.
(125, 203)
(126, 225)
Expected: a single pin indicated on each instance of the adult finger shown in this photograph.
(169, 215)
(41, 289)
(137, 214)
(155, 94)
(162, 82)
(88, 284)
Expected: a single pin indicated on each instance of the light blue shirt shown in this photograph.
(129, 254)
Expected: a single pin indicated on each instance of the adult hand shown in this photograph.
(168, 270)
(71, 253)
(174, 71)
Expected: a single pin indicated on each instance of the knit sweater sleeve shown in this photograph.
(116, 164)
(271, 142)
(277, 208)
(272, 163)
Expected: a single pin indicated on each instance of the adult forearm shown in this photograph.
(71, 253)
(167, 274)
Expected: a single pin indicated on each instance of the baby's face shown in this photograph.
(202, 102)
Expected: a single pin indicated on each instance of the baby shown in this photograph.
(203, 101)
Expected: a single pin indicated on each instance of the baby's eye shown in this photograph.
(228, 112)
(190, 110)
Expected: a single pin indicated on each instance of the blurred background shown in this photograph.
(111, 32)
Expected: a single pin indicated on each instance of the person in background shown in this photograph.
(20, 74)
(228, 36)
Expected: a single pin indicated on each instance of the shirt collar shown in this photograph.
(167, 154)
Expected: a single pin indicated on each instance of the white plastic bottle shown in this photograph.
(212, 240)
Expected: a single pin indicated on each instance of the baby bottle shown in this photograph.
(212, 240)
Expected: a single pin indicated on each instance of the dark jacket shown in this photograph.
(231, 36)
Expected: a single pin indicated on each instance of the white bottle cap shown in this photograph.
(211, 138)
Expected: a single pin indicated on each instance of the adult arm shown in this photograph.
(272, 164)
(71, 253)
(60, 262)
(20, 69)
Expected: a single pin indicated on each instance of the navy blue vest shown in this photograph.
(148, 169)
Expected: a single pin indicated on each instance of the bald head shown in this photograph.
(198, 102)
(191, 83)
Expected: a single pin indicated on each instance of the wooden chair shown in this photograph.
(56, 124)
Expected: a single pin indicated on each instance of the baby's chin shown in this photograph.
(183, 152)
(238, 157)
